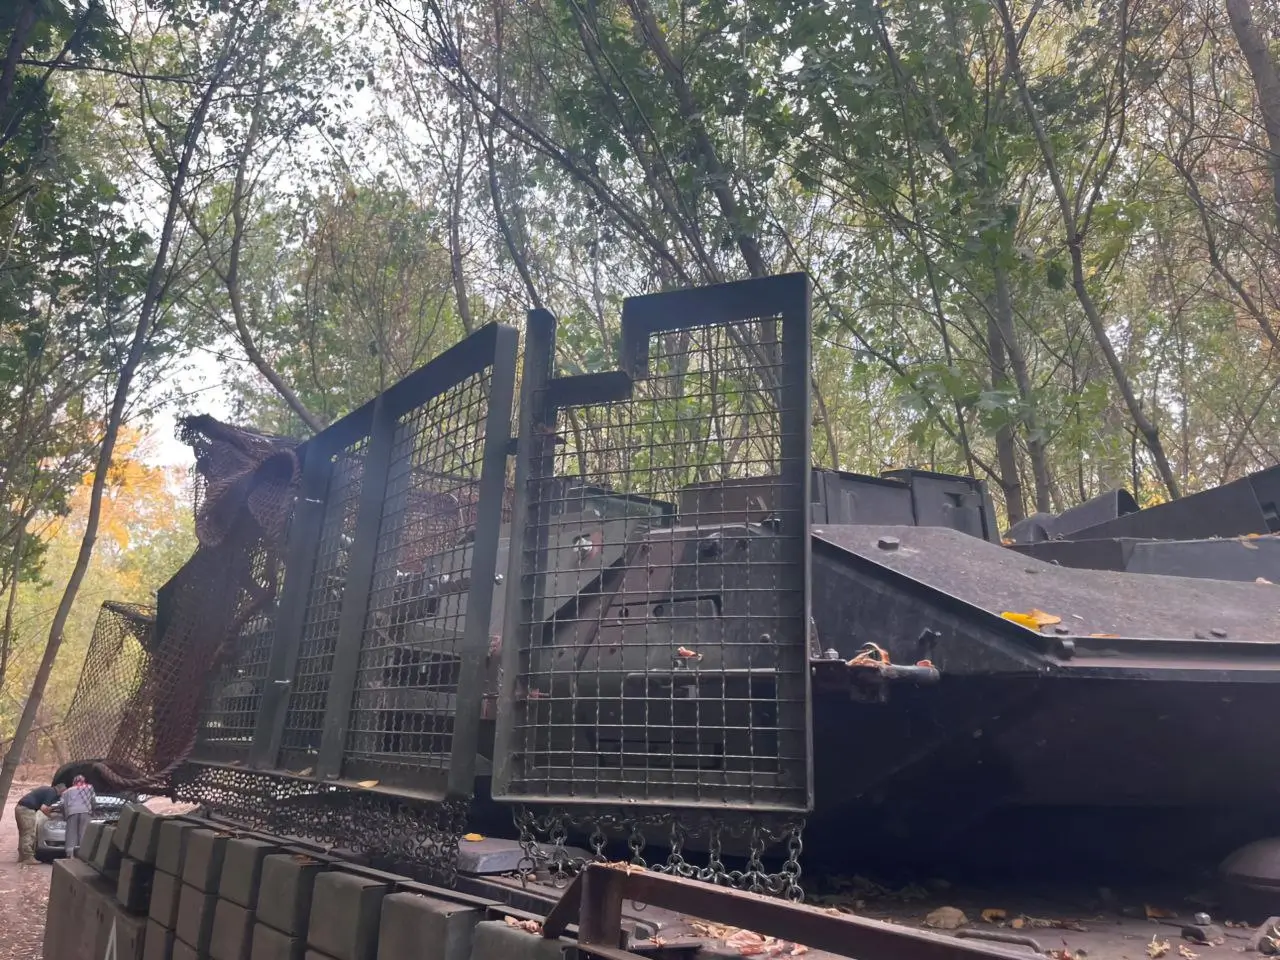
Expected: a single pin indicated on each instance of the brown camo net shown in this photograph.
(246, 483)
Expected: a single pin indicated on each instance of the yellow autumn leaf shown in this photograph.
(1022, 619)
(1018, 923)
(1044, 619)
(1157, 948)
(472, 837)
(367, 784)
(993, 914)
(1186, 952)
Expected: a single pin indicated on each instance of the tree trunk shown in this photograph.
(1006, 451)
(17, 41)
(1075, 244)
(1266, 82)
(115, 417)
(455, 230)
(1022, 379)
(6, 641)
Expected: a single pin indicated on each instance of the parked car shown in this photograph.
(51, 832)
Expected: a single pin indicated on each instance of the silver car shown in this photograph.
(51, 831)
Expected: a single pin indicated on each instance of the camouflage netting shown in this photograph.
(112, 674)
(246, 483)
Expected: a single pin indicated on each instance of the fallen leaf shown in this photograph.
(799, 949)
(946, 918)
(367, 784)
(1157, 948)
(1018, 923)
(1021, 619)
(1105, 636)
(712, 931)
(871, 653)
(1006, 541)
(744, 940)
(684, 653)
(1186, 952)
(473, 837)
(305, 772)
(1044, 619)
(993, 914)
(528, 926)
(1156, 913)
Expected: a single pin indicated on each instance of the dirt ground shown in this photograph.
(24, 891)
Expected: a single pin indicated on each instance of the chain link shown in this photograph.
(560, 864)
(790, 875)
(525, 824)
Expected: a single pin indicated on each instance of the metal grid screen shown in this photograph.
(229, 712)
(309, 686)
(366, 672)
(661, 653)
(407, 681)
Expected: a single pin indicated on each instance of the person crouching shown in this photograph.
(39, 800)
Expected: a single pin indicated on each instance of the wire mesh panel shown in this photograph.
(405, 703)
(308, 694)
(229, 711)
(112, 673)
(661, 637)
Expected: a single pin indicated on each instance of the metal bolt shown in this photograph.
(887, 543)
(831, 653)
(1062, 628)
(1218, 632)
(497, 578)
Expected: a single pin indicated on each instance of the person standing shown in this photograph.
(77, 805)
(39, 800)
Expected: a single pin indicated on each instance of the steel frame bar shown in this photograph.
(594, 902)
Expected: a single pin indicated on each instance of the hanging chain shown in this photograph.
(597, 841)
(635, 843)
(676, 863)
(714, 871)
(525, 823)
(559, 855)
(755, 873)
(790, 876)
(753, 836)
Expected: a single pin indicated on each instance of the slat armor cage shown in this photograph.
(368, 667)
(656, 642)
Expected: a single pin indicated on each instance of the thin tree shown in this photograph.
(147, 312)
